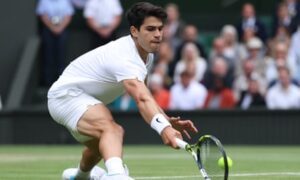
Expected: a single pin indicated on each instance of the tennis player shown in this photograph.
(78, 99)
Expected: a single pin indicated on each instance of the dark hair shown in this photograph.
(141, 10)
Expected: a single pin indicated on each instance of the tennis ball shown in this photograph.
(221, 162)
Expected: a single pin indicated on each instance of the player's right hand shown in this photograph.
(168, 135)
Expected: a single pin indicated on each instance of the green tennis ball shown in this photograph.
(221, 162)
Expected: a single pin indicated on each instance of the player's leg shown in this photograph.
(90, 155)
(87, 168)
(97, 122)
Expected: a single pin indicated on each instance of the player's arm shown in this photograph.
(154, 115)
(151, 112)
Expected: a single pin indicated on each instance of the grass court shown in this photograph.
(38, 162)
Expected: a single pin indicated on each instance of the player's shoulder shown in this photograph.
(122, 46)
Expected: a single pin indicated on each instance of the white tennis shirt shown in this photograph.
(100, 72)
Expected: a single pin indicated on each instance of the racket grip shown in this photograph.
(180, 143)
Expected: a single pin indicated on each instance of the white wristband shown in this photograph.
(159, 123)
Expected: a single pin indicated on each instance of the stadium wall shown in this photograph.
(18, 23)
(232, 127)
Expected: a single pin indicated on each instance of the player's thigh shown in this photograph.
(95, 120)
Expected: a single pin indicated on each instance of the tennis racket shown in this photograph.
(206, 153)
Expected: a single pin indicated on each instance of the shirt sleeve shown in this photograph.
(90, 9)
(118, 10)
(129, 70)
(40, 9)
(69, 11)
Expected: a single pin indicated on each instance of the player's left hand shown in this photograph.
(183, 126)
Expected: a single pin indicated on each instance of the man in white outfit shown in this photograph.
(78, 99)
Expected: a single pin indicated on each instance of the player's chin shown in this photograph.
(154, 47)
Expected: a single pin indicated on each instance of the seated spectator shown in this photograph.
(190, 55)
(219, 68)
(252, 97)
(232, 47)
(294, 55)
(55, 17)
(190, 34)
(241, 83)
(160, 94)
(187, 94)
(279, 59)
(103, 18)
(163, 60)
(256, 54)
(124, 103)
(294, 12)
(282, 35)
(249, 21)
(282, 19)
(219, 96)
(174, 26)
(284, 94)
(219, 51)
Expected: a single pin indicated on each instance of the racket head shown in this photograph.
(209, 151)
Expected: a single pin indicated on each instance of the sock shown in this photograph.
(83, 175)
(114, 165)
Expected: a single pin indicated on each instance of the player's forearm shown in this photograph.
(148, 107)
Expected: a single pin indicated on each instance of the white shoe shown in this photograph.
(70, 174)
(116, 177)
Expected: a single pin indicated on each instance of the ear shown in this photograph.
(134, 31)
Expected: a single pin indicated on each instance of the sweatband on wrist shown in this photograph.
(159, 123)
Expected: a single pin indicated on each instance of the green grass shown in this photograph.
(250, 162)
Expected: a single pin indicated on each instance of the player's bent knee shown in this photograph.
(111, 126)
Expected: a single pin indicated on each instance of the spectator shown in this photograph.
(241, 83)
(160, 94)
(282, 19)
(174, 26)
(219, 51)
(282, 35)
(284, 94)
(190, 34)
(232, 47)
(252, 97)
(55, 17)
(256, 53)
(219, 68)
(193, 92)
(103, 18)
(219, 96)
(249, 21)
(294, 13)
(190, 55)
(294, 55)
(279, 59)
(163, 60)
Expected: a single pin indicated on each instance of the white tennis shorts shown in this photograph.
(66, 107)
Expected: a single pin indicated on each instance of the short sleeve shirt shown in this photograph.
(100, 72)
(103, 11)
(55, 8)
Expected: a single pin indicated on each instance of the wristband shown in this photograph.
(159, 123)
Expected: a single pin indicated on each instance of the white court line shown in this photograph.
(231, 175)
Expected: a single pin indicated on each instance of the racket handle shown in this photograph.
(180, 143)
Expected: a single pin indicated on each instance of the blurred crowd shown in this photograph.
(245, 67)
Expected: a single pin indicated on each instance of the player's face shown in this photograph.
(149, 36)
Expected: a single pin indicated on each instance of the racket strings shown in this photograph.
(209, 155)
